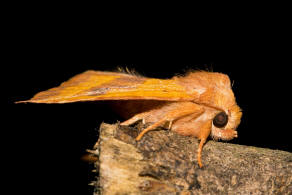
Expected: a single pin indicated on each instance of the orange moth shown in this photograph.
(199, 104)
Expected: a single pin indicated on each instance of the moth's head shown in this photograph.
(225, 114)
(225, 122)
(213, 91)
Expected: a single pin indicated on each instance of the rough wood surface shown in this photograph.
(164, 162)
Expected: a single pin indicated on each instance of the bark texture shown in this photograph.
(164, 162)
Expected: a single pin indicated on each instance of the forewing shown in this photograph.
(97, 85)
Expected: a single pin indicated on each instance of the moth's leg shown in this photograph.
(199, 157)
(178, 112)
(136, 118)
(204, 134)
(151, 127)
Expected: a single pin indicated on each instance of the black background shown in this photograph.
(48, 140)
(44, 143)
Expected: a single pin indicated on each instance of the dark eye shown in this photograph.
(220, 119)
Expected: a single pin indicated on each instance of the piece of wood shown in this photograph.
(163, 162)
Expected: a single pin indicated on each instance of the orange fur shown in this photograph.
(185, 104)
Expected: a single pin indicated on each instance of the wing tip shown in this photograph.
(23, 101)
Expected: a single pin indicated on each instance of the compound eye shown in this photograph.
(220, 119)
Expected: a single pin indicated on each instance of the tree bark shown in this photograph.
(163, 162)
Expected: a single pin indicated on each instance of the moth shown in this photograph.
(199, 104)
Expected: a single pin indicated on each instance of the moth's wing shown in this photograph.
(97, 85)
